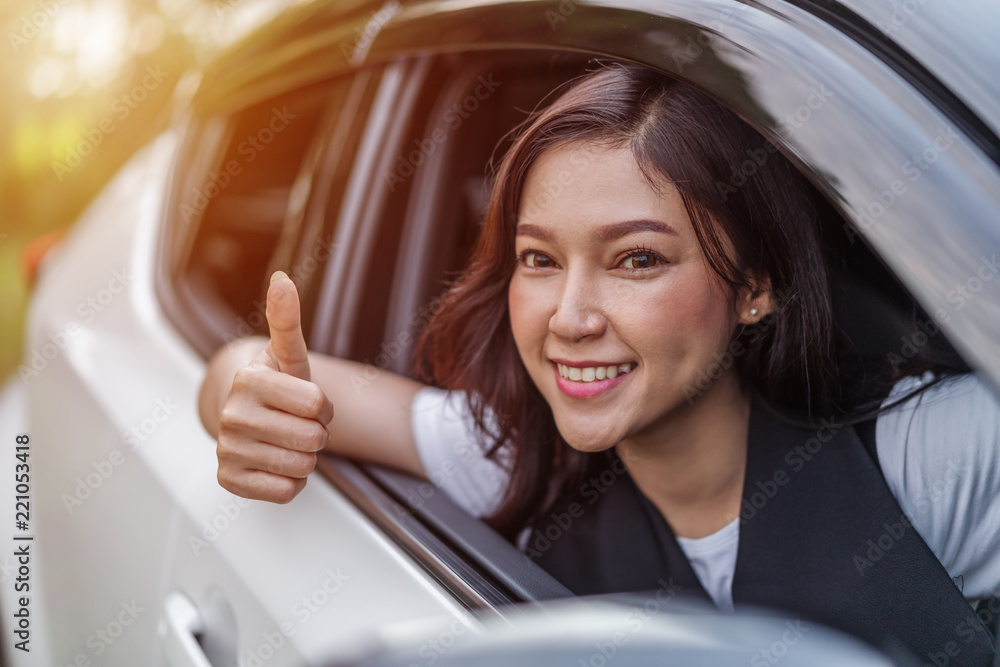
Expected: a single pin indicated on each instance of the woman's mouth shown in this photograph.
(587, 381)
(592, 373)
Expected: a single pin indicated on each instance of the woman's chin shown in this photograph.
(590, 442)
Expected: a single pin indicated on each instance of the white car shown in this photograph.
(347, 140)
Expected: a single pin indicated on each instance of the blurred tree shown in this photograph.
(84, 84)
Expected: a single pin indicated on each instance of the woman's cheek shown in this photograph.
(527, 320)
(690, 319)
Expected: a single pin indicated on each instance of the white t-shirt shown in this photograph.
(939, 453)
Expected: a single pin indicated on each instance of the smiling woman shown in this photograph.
(634, 296)
(629, 341)
(605, 283)
(630, 253)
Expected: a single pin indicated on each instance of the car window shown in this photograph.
(239, 206)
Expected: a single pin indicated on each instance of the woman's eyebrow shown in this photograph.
(528, 229)
(607, 233)
(620, 229)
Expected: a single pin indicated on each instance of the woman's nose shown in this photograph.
(578, 311)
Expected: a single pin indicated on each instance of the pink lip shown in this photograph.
(586, 389)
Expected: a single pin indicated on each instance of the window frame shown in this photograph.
(204, 142)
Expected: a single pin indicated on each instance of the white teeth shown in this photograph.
(592, 373)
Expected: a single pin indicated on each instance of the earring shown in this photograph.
(753, 312)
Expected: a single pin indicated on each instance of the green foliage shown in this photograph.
(84, 84)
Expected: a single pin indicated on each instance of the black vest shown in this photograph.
(821, 538)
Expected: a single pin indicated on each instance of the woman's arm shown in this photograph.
(940, 454)
(270, 404)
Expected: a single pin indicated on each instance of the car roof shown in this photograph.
(914, 35)
(955, 41)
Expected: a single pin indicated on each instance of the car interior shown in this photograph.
(217, 261)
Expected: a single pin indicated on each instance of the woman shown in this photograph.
(626, 332)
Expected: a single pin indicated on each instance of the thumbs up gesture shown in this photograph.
(274, 420)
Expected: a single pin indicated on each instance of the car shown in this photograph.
(346, 142)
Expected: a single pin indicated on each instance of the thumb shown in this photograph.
(287, 342)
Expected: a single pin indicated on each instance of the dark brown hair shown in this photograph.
(752, 212)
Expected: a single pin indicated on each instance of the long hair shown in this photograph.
(754, 216)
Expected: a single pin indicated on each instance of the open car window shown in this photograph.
(446, 119)
(244, 202)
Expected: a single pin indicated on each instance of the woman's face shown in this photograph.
(614, 308)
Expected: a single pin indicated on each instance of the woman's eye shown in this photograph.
(641, 260)
(536, 260)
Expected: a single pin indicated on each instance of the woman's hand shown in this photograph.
(274, 420)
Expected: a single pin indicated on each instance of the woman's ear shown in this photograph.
(755, 302)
